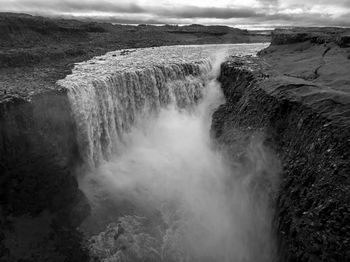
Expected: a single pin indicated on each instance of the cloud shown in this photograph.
(207, 12)
(278, 12)
(72, 6)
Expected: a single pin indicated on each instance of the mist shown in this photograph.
(172, 194)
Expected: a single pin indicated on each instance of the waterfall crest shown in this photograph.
(108, 94)
(106, 107)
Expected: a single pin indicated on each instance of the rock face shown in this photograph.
(41, 204)
(298, 95)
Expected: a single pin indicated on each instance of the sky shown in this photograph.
(251, 14)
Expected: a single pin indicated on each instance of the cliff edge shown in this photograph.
(298, 94)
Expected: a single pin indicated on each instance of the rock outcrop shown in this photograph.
(41, 205)
(298, 94)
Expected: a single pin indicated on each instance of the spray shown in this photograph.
(172, 196)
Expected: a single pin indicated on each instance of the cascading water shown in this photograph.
(106, 107)
(159, 189)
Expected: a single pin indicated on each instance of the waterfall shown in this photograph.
(106, 107)
(159, 189)
(108, 94)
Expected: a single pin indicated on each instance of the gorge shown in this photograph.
(139, 150)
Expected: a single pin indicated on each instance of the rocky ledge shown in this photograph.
(298, 94)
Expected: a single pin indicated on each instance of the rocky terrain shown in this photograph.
(298, 95)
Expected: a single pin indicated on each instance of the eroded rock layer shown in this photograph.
(305, 116)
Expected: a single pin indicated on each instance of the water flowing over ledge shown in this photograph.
(108, 93)
(168, 194)
(87, 118)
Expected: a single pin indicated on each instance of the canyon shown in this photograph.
(282, 122)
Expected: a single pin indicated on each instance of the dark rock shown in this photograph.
(344, 41)
(40, 200)
(308, 123)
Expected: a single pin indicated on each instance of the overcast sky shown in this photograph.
(240, 13)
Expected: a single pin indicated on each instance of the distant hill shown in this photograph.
(37, 51)
(37, 39)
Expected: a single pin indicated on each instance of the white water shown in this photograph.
(108, 94)
(167, 193)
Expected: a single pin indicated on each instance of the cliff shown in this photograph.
(41, 205)
(297, 93)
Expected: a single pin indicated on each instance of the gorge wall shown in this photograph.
(297, 94)
(41, 204)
